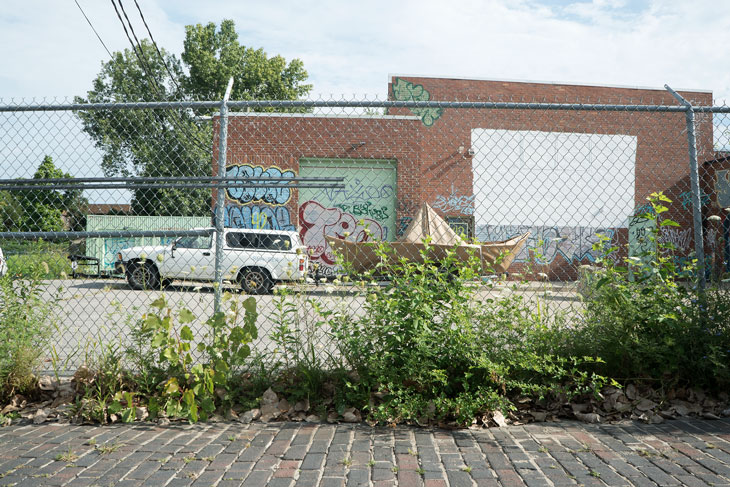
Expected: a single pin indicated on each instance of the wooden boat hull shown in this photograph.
(363, 256)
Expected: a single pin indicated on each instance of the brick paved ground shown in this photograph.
(294, 454)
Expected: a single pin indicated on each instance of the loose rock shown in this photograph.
(646, 405)
(45, 383)
(40, 416)
(588, 417)
(499, 418)
(141, 413)
(351, 415)
(251, 415)
(302, 406)
(269, 406)
(539, 416)
(269, 397)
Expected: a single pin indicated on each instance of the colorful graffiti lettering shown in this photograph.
(258, 216)
(357, 191)
(642, 226)
(574, 244)
(406, 91)
(686, 198)
(455, 203)
(366, 209)
(318, 221)
(273, 196)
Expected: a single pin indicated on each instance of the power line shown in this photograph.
(139, 55)
(155, 84)
(164, 63)
(92, 28)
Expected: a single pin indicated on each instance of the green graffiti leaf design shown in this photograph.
(406, 91)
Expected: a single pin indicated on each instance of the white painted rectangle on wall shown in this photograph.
(560, 179)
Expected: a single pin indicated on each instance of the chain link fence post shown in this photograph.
(695, 186)
(220, 200)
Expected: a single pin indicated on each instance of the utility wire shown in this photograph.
(92, 28)
(140, 57)
(140, 54)
(164, 63)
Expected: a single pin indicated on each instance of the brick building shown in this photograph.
(564, 175)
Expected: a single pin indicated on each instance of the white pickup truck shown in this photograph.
(256, 259)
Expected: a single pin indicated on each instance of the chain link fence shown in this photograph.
(115, 203)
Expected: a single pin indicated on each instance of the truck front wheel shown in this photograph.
(142, 276)
(255, 280)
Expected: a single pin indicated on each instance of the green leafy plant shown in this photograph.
(194, 389)
(301, 362)
(647, 321)
(427, 349)
(27, 320)
(104, 385)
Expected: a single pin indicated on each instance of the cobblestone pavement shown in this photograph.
(693, 452)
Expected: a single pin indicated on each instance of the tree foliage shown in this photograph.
(175, 142)
(44, 210)
(213, 56)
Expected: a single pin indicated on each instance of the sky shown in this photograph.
(350, 48)
(49, 53)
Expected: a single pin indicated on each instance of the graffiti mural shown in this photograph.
(318, 221)
(722, 188)
(679, 238)
(455, 203)
(253, 194)
(403, 225)
(367, 209)
(358, 191)
(258, 216)
(112, 246)
(406, 91)
(259, 207)
(574, 244)
(686, 197)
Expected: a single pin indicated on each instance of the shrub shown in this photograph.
(25, 258)
(648, 324)
(427, 349)
(26, 323)
(193, 386)
(301, 363)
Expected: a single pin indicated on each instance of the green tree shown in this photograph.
(213, 56)
(47, 210)
(175, 142)
(10, 213)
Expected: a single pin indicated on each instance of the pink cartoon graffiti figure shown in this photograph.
(318, 221)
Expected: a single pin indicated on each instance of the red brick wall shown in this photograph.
(662, 161)
(433, 160)
(283, 140)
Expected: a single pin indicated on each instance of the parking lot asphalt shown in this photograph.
(689, 452)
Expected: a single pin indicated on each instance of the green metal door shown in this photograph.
(363, 210)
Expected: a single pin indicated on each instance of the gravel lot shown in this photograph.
(101, 311)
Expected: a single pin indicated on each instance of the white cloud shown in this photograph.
(48, 49)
